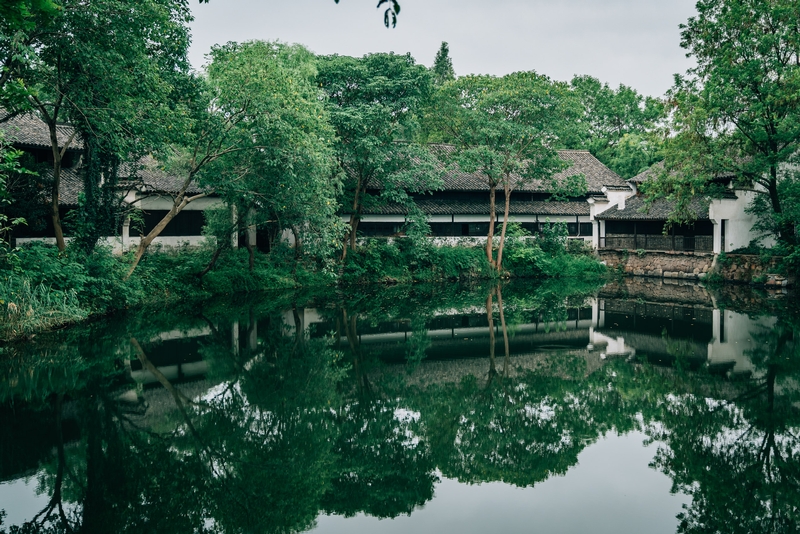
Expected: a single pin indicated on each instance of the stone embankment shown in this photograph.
(684, 292)
(752, 269)
(736, 268)
(686, 265)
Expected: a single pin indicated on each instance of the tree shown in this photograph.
(619, 127)
(506, 130)
(389, 15)
(736, 111)
(9, 164)
(443, 65)
(289, 182)
(373, 103)
(113, 73)
(257, 135)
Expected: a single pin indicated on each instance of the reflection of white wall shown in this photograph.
(308, 316)
(733, 337)
(172, 372)
(614, 345)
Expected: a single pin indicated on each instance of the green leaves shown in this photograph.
(373, 104)
(620, 127)
(735, 113)
(267, 108)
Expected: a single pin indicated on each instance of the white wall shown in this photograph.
(165, 203)
(119, 245)
(738, 228)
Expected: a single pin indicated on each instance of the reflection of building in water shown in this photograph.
(465, 334)
(701, 335)
(660, 332)
(736, 338)
(175, 354)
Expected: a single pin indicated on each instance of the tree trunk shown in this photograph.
(490, 235)
(211, 264)
(180, 202)
(507, 190)
(505, 330)
(298, 244)
(353, 232)
(55, 195)
(490, 319)
(354, 218)
(250, 238)
(786, 229)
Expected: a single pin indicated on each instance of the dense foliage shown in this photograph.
(736, 113)
(294, 146)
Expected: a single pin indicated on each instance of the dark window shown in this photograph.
(187, 222)
(379, 229)
(619, 227)
(444, 229)
(586, 229)
(572, 229)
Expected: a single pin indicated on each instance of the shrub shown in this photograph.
(26, 308)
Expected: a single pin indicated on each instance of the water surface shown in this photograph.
(636, 407)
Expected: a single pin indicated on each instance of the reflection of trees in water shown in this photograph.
(738, 457)
(295, 429)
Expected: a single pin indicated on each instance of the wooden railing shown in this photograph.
(700, 243)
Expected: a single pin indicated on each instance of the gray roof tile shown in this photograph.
(434, 206)
(29, 130)
(149, 178)
(583, 162)
(636, 209)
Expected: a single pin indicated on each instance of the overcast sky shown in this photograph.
(633, 42)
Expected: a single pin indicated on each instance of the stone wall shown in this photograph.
(685, 292)
(750, 268)
(736, 268)
(667, 264)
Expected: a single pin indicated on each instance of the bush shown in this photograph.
(410, 260)
(26, 308)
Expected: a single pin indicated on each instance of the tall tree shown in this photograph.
(443, 65)
(506, 130)
(620, 127)
(112, 69)
(290, 182)
(258, 137)
(373, 103)
(736, 112)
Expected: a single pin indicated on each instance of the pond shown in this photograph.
(640, 406)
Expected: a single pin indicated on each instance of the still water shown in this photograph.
(634, 407)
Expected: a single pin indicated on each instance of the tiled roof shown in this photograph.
(69, 188)
(149, 178)
(659, 210)
(648, 173)
(434, 206)
(597, 175)
(29, 130)
(656, 169)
